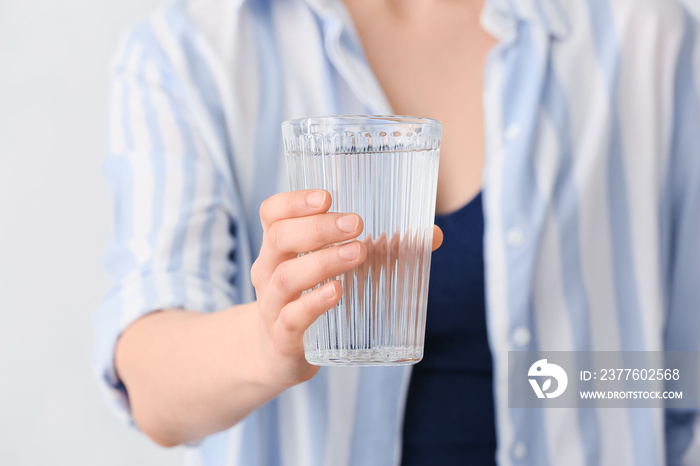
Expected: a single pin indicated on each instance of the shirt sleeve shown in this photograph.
(172, 244)
(681, 237)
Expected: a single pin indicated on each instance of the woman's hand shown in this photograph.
(294, 223)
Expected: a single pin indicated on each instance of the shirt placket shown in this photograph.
(515, 210)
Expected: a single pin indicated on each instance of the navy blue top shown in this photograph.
(449, 410)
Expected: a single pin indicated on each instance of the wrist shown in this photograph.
(247, 352)
(266, 367)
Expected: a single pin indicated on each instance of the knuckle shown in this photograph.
(295, 202)
(265, 209)
(255, 277)
(318, 224)
(327, 259)
(286, 324)
(280, 279)
(273, 236)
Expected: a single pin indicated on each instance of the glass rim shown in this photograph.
(359, 119)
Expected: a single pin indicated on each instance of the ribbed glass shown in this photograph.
(384, 168)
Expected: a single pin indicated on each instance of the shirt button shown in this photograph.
(521, 336)
(515, 237)
(513, 131)
(519, 451)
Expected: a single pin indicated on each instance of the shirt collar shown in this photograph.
(500, 17)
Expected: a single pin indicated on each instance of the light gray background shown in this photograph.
(54, 226)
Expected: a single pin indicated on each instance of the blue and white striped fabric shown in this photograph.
(591, 192)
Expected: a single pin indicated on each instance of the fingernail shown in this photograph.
(349, 251)
(347, 223)
(327, 291)
(316, 198)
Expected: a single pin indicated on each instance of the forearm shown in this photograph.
(191, 374)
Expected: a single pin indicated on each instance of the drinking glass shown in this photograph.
(383, 168)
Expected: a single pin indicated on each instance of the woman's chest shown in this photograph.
(434, 67)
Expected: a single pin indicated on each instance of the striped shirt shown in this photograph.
(591, 201)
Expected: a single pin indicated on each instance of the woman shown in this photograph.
(586, 150)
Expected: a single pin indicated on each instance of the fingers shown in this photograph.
(437, 237)
(298, 315)
(300, 235)
(293, 204)
(294, 276)
(287, 238)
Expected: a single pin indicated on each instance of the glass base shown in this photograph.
(364, 357)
